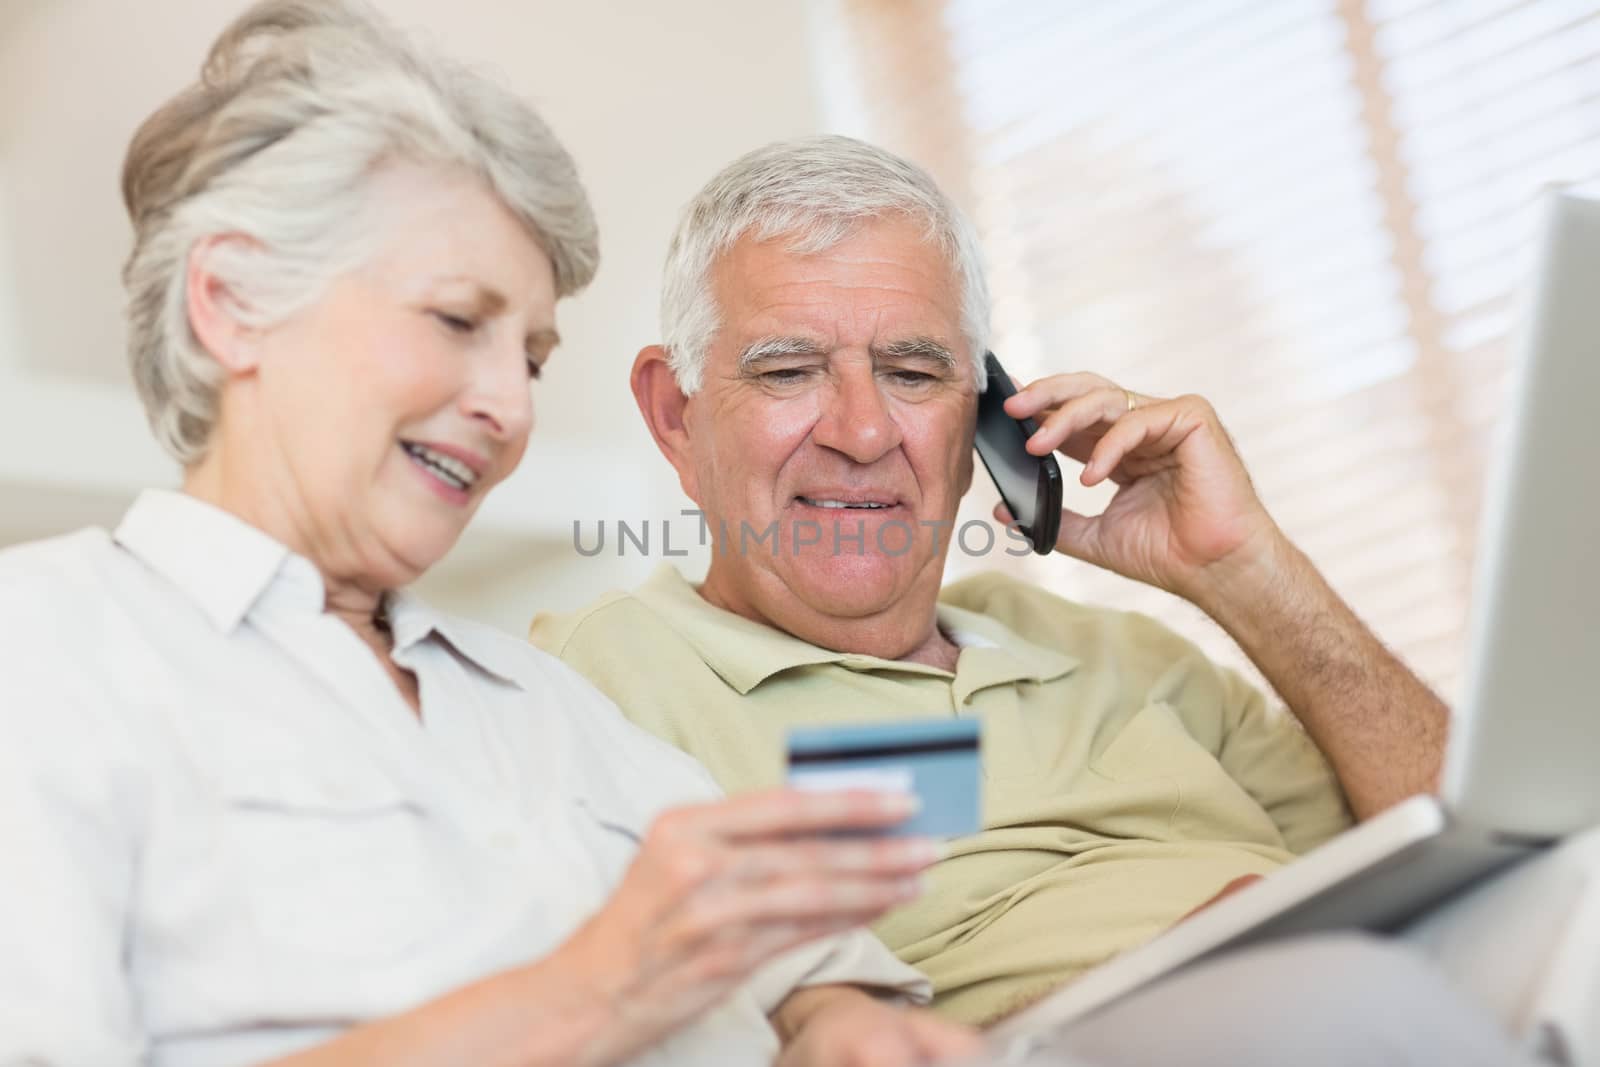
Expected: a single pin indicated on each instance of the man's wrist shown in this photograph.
(802, 1007)
(1260, 589)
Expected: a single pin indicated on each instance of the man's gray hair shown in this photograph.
(817, 191)
(299, 103)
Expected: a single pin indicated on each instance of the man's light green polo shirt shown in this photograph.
(1127, 778)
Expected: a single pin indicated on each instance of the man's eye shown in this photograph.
(785, 376)
(912, 377)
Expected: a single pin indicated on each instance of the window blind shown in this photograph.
(1315, 213)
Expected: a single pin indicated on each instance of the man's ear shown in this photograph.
(662, 404)
(217, 316)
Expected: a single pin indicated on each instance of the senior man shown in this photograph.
(825, 314)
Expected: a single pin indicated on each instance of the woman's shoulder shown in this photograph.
(63, 550)
(59, 615)
(57, 576)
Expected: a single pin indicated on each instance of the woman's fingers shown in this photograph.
(718, 890)
(852, 900)
(740, 929)
(813, 880)
(789, 813)
(770, 857)
(885, 857)
(733, 951)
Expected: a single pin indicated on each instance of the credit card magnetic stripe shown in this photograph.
(820, 744)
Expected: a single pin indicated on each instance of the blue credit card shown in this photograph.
(935, 759)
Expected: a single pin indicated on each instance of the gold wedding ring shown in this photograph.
(1131, 402)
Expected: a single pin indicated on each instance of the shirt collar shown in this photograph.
(412, 621)
(228, 567)
(745, 653)
(213, 557)
(994, 654)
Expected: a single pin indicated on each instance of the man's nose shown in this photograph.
(855, 418)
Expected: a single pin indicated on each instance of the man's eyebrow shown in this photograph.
(916, 348)
(776, 348)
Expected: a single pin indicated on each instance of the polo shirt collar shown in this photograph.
(994, 654)
(745, 653)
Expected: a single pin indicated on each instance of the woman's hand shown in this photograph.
(718, 890)
(836, 1026)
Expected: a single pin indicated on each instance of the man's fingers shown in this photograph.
(1077, 536)
(1102, 407)
(1152, 431)
(1053, 391)
(940, 1039)
(1241, 882)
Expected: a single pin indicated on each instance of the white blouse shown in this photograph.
(224, 836)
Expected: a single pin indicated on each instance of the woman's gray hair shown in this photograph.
(818, 191)
(298, 104)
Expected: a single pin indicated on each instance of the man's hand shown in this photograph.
(1242, 882)
(1187, 519)
(1185, 511)
(838, 1026)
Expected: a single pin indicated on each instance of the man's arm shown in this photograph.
(1379, 726)
(1186, 519)
(842, 1026)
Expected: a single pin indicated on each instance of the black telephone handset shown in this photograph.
(1030, 485)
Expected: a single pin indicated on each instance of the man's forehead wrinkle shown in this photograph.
(780, 290)
(768, 336)
(847, 298)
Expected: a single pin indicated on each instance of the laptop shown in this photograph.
(1520, 771)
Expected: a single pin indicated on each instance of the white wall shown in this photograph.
(650, 97)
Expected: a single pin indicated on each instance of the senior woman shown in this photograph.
(255, 800)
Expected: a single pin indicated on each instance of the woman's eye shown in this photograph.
(535, 372)
(455, 323)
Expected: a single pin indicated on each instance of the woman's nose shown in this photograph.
(500, 398)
